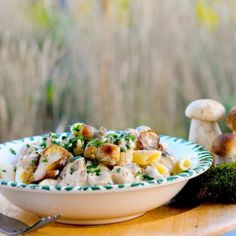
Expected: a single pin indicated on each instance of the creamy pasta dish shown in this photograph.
(88, 157)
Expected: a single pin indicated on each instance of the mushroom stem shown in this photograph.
(203, 132)
(218, 160)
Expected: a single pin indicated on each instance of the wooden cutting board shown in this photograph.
(206, 219)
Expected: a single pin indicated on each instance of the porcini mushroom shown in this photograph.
(53, 159)
(86, 131)
(204, 114)
(224, 147)
(231, 119)
(26, 165)
(108, 154)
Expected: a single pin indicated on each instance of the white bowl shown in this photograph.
(102, 204)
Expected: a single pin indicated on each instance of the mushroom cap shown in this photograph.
(231, 119)
(205, 109)
(224, 145)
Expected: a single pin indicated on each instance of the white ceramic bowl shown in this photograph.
(102, 204)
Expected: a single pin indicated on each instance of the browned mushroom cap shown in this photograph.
(205, 109)
(231, 119)
(79, 147)
(90, 152)
(108, 154)
(224, 146)
(86, 131)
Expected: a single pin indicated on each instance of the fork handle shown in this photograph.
(43, 222)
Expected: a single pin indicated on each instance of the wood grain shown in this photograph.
(206, 219)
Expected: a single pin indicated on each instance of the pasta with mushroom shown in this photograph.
(88, 157)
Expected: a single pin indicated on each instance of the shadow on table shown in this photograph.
(160, 213)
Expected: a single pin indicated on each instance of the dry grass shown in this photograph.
(116, 66)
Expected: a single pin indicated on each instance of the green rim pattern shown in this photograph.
(205, 159)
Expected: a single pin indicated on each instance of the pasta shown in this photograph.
(182, 165)
(88, 157)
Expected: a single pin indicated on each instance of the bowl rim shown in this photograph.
(205, 159)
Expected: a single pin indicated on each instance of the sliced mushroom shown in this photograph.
(27, 161)
(125, 158)
(91, 148)
(224, 147)
(152, 172)
(52, 174)
(142, 128)
(204, 128)
(74, 173)
(86, 131)
(53, 158)
(79, 147)
(24, 170)
(148, 140)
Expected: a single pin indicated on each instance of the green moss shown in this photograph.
(218, 184)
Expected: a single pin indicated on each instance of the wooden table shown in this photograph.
(207, 219)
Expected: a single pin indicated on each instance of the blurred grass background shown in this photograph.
(115, 63)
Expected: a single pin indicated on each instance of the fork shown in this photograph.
(12, 226)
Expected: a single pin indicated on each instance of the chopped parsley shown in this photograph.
(130, 137)
(98, 172)
(143, 176)
(72, 142)
(4, 171)
(139, 175)
(43, 144)
(122, 149)
(94, 168)
(27, 145)
(12, 151)
(112, 138)
(53, 135)
(14, 169)
(77, 127)
(55, 142)
(118, 170)
(33, 162)
(45, 159)
(128, 146)
(94, 164)
(147, 177)
(95, 143)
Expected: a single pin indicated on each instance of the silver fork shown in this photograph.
(12, 226)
